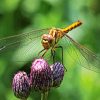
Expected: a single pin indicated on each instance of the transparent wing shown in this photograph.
(86, 58)
(17, 39)
(22, 46)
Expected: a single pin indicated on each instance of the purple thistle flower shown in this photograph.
(58, 73)
(40, 75)
(21, 85)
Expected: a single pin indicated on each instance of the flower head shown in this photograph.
(58, 73)
(21, 85)
(41, 75)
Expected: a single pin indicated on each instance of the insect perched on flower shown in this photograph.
(50, 41)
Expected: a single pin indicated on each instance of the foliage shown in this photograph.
(18, 16)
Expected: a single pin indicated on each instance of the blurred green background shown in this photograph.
(18, 16)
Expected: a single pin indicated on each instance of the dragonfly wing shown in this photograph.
(23, 46)
(15, 40)
(86, 57)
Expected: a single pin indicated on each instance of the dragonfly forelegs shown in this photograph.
(61, 54)
(53, 55)
(45, 50)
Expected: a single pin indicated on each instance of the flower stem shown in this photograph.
(44, 95)
(23, 99)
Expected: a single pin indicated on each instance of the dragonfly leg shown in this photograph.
(44, 52)
(61, 52)
(53, 55)
(40, 52)
(61, 55)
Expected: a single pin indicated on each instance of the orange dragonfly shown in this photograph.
(50, 41)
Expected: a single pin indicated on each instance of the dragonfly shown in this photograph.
(50, 38)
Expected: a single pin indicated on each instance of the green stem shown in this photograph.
(44, 95)
(23, 99)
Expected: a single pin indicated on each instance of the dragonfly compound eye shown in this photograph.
(47, 41)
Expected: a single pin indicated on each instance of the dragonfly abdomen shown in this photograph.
(71, 27)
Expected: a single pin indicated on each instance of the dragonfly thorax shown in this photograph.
(56, 33)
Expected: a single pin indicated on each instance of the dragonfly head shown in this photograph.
(47, 41)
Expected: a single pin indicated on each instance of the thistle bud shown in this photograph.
(21, 85)
(58, 73)
(41, 75)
